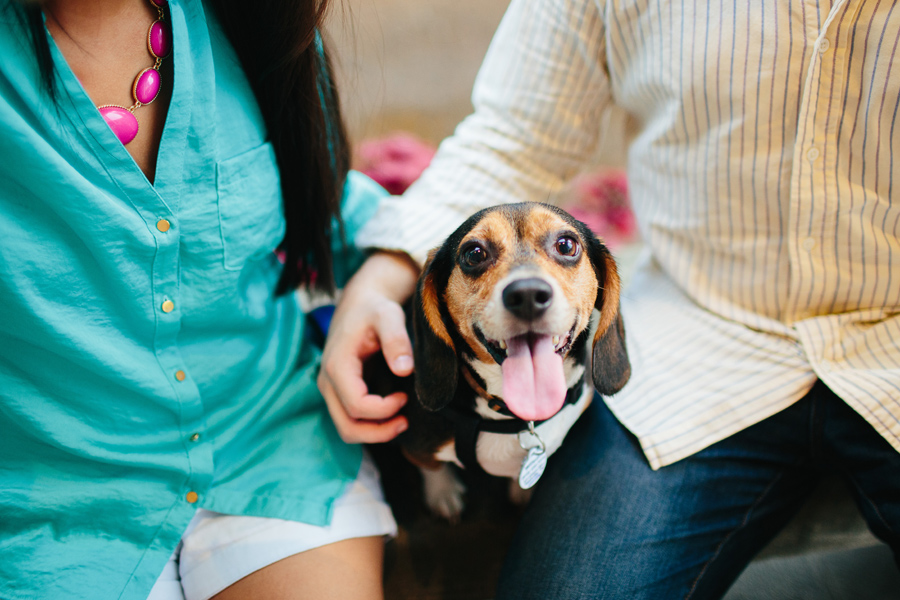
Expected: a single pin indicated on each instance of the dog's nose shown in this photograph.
(528, 298)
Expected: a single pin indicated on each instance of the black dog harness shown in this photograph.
(467, 425)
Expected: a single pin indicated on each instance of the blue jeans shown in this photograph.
(602, 524)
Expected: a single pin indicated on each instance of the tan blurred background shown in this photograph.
(409, 65)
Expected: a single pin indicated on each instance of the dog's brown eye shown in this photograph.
(567, 246)
(475, 255)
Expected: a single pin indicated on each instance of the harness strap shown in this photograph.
(468, 425)
(466, 430)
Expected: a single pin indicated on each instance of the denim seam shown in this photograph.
(730, 535)
(872, 504)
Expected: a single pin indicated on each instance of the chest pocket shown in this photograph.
(251, 220)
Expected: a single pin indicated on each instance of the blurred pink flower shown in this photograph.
(601, 201)
(394, 161)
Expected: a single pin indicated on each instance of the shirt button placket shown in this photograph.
(198, 456)
(163, 226)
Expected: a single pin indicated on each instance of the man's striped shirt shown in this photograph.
(763, 177)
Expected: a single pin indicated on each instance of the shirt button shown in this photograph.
(813, 154)
(195, 437)
(809, 244)
(192, 497)
(824, 45)
(180, 375)
(168, 306)
(163, 225)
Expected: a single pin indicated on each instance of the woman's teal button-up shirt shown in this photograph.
(142, 367)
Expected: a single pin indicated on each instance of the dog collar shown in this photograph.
(495, 403)
(467, 425)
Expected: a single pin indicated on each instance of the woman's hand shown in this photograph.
(369, 318)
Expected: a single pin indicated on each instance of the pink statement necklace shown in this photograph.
(147, 83)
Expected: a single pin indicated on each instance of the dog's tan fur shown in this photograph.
(467, 299)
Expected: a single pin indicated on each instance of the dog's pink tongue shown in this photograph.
(534, 386)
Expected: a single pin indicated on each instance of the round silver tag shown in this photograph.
(532, 467)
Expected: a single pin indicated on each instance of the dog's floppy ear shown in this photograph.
(435, 356)
(610, 366)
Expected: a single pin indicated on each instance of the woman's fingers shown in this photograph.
(368, 319)
(390, 328)
(365, 430)
(358, 415)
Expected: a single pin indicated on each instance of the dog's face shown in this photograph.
(515, 286)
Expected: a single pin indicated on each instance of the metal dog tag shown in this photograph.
(532, 467)
(535, 460)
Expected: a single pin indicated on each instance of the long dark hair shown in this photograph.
(290, 72)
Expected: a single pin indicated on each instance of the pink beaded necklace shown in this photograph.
(147, 83)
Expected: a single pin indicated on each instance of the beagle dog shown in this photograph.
(501, 323)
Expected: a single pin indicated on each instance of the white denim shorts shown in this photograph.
(218, 550)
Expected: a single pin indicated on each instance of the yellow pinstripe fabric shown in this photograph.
(763, 176)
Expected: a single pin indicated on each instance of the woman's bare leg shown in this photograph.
(346, 569)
